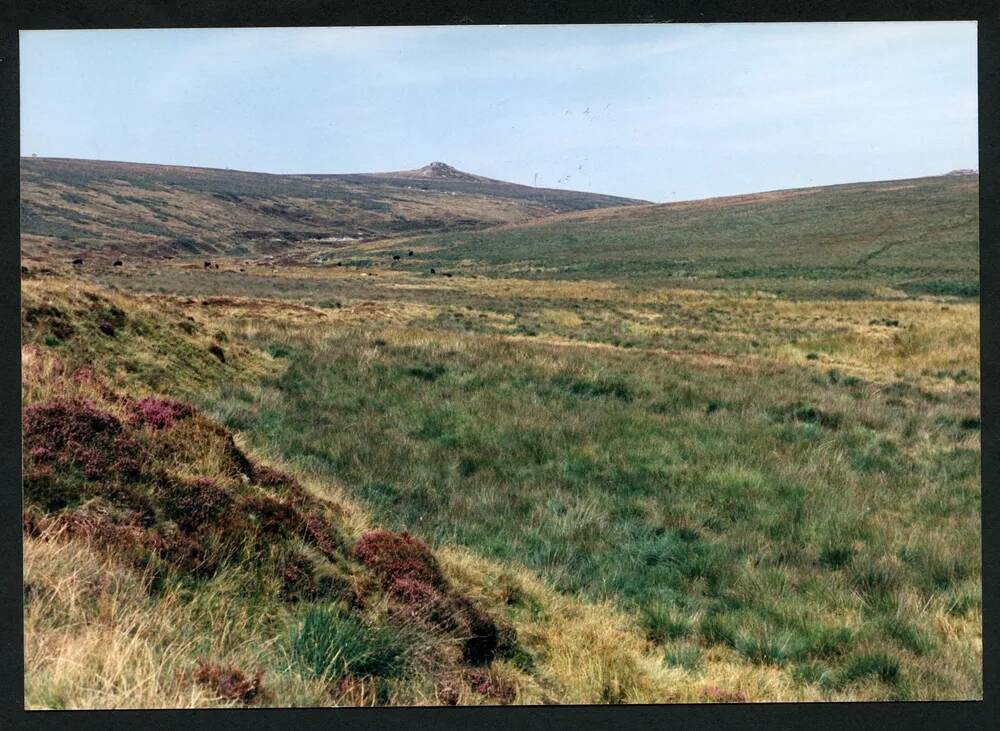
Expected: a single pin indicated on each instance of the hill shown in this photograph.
(919, 235)
(119, 208)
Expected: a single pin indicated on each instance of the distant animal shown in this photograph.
(208, 265)
(77, 262)
(340, 263)
(395, 257)
(447, 274)
(216, 266)
(118, 263)
(432, 271)
(242, 269)
(409, 253)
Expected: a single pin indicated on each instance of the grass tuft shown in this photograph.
(329, 644)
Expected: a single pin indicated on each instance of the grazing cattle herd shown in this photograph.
(212, 265)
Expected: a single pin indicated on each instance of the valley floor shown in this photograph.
(656, 494)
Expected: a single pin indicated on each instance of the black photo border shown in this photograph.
(53, 14)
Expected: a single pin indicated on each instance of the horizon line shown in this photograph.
(953, 171)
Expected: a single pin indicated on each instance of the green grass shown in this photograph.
(840, 239)
(611, 476)
(330, 644)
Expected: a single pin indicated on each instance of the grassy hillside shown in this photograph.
(740, 484)
(920, 236)
(126, 209)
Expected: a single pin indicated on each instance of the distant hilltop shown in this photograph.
(963, 171)
(441, 171)
(444, 170)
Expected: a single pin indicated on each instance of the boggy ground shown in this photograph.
(652, 495)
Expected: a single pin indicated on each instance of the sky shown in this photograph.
(654, 111)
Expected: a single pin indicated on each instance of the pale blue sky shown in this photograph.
(662, 112)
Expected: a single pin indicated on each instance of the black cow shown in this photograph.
(447, 274)
(432, 271)
(118, 263)
(395, 257)
(208, 265)
(77, 262)
(340, 263)
(409, 253)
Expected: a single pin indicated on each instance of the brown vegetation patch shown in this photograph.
(714, 694)
(51, 316)
(271, 477)
(499, 689)
(229, 682)
(449, 686)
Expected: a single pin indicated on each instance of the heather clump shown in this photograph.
(303, 519)
(410, 573)
(195, 503)
(451, 684)
(495, 688)
(112, 481)
(159, 413)
(79, 435)
(396, 556)
(274, 478)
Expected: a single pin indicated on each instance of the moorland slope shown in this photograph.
(128, 209)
